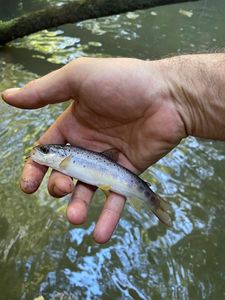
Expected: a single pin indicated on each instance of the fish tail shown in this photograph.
(162, 209)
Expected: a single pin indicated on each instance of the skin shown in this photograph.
(141, 108)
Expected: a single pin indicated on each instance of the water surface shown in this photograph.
(40, 252)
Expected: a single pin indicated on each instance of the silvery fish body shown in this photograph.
(97, 169)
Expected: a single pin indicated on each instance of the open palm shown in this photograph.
(118, 103)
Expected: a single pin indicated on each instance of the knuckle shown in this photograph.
(79, 61)
(81, 200)
(33, 85)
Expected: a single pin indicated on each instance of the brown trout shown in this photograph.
(102, 171)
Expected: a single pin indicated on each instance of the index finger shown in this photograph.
(49, 89)
(33, 173)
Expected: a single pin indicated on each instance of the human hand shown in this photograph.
(118, 103)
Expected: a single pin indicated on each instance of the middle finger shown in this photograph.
(78, 207)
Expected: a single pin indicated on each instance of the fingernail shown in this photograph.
(9, 92)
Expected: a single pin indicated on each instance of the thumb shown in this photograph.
(51, 88)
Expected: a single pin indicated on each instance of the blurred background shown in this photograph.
(41, 254)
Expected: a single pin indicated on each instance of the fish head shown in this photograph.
(48, 155)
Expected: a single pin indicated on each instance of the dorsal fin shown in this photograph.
(111, 153)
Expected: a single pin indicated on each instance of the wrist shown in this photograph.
(169, 126)
(197, 88)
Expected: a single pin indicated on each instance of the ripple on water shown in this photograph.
(41, 254)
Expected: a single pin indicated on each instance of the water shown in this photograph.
(40, 253)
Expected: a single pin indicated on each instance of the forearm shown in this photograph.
(197, 85)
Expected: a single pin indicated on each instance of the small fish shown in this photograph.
(99, 169)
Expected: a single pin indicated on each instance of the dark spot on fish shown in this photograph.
(147, 193)
(84, 166)
(140, 188)
(155, 200)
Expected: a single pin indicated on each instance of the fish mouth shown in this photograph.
(27, 157)
(33, 152)
(36, 155)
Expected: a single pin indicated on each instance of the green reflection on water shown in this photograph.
(40, 253)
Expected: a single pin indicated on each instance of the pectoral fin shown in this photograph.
(65, 162)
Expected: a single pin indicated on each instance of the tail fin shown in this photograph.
(162, 210)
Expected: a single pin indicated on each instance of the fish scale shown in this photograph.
(100, 170)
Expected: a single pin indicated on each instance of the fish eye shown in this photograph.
(44, 149)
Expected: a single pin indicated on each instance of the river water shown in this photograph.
(41, 254)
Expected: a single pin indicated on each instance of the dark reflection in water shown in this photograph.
(40, 253)
(16, 8)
